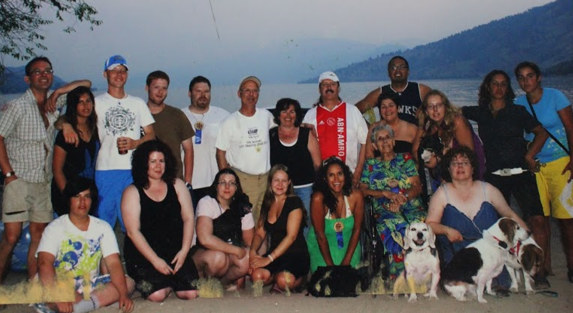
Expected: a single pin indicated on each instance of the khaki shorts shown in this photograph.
(254, 186)
(552, 187)
(27, 202)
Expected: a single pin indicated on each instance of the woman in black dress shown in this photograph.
(282, 217)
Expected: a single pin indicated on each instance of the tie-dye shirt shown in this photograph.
(76, 251)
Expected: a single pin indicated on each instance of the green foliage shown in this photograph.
(21, 23)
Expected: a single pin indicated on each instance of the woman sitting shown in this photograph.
(442, 127)
(464, 206)
(71, 161)
(225, 229)
(283, 219)
(158, 216)
(337, 212)
(394, 183)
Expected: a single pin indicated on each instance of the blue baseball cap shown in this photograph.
(114, 61)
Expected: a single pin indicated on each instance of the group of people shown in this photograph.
(202, 193)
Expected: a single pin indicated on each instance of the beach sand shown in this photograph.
(244, 301)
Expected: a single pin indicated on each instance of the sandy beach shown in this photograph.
(245, 301)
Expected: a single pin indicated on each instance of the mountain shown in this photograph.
(13, 81)
(543, 35)
(283, 62)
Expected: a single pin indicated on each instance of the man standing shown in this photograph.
(410, 94)
(205, 120)
(26, 145)
(171, 126)
(243, 143)
(340, 128)
(120, 119)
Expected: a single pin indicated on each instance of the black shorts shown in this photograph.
(148, 280)
(297, 264)
(524, 188)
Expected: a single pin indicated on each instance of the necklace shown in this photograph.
(198, 125)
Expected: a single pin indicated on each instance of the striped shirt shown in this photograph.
(28, 142)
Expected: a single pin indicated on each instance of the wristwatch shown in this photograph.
(10, 174)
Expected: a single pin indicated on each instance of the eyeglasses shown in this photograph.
(251, 91)
(460, 164)
(399, 67)
(436, 106)
(385, 139)
(39, 72)
(229, 184)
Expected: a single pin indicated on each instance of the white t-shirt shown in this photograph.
(209, 207)
(356, 131)
(78, 251)
(118, 118)
(204, 153)
(246, 141)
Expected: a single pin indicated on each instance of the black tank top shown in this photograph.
(297, 157)
(410, 101)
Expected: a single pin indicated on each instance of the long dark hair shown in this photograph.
(484, 94)
(140, 163)
(321, 184)
(269, 197)
(213, 188)
(72, 101)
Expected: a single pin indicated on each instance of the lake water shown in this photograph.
(461, 92)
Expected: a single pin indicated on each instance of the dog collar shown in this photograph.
(501, 244)
(515, 250)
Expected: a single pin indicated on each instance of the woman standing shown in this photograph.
(554, 179)
(296, 147)
(71, 161)
(282, 218)
(158, 216)
(394, 183)
(404, 132)
(442, 127)
(501, 127)
(337, 212)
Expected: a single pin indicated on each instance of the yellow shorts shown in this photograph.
(555, 194)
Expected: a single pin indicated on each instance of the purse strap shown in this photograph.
(550, 134)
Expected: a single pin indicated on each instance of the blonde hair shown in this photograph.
(447, 125)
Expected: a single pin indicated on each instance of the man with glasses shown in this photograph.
(243, 143)
(27, 137)
(340, 128)
(410, 94)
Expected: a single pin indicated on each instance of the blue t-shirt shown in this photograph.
(546, 110)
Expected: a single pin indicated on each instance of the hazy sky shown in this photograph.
(181, 35)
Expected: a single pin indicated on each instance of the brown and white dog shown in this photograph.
(421, 261)
(473, 268)
(526, 257)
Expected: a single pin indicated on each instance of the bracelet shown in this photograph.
(271, 257)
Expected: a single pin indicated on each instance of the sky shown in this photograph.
(228, 39)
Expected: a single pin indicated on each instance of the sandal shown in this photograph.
(275, 290)
(540, 282)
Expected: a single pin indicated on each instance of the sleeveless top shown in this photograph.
(161, 225)
(471, 229)
(336, 252)
(410, 101)
(278, 230)
(296, 156)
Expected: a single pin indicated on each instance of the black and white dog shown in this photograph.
(472, 269)
(421, 261)
(526, 257)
